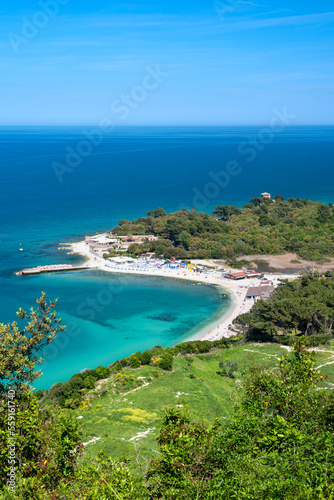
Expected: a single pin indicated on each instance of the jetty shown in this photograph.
(52, 269)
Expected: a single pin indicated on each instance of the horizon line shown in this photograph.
(171, 125)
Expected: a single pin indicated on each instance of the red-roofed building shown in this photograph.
(236, 276)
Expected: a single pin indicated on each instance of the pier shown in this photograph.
(52, 269)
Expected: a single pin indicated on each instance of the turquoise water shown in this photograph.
(110, 316)
(133, 170)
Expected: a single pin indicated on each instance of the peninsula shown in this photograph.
(288, 235)
(228, 248)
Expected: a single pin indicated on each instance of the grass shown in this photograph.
(119, 419)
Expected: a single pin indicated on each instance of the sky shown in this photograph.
(199, 62)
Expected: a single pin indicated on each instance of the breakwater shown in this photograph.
(52, 269)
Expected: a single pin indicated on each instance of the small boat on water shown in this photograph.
(21, 249)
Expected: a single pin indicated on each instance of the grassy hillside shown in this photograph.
(261, 227)
(117, 417)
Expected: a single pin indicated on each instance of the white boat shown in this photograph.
(21, 249)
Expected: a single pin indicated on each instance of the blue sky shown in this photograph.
(220, 62)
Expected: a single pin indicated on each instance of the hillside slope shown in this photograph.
(125, 419)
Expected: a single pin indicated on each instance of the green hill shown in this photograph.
(123, 420)
(262, 226)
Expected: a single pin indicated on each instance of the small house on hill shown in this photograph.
(266, 195)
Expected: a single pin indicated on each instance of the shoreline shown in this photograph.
(215, 330)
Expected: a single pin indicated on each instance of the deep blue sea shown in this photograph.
(133, 170)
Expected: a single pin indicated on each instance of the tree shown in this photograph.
(19, 347)
(135, 249)
(225, 212)
(324, 213)
(42, 444)
(257, 201)
(159, 212)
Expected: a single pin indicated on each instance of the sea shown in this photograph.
(61, 183)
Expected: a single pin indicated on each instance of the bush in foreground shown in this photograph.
(280, 445)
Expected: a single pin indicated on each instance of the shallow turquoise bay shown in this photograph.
(110, 316)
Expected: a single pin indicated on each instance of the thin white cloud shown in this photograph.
(281, 77)
(302, 20)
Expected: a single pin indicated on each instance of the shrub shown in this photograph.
(134, 361)
(166, 362)
(46, 442)
(227, 368)
(146, 357)
(155, 360)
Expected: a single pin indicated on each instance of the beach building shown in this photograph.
(259, 292)
(265, 295)
(100, 242)
(236, 276)
(253, 274)
(138, 238)
(266, 282)
(124, 242)
(149, 255)
(118, 261)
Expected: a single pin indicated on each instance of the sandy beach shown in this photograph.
(236, 289)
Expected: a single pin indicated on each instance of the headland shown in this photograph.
(200, 272)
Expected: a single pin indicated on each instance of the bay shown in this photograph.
(133, 170)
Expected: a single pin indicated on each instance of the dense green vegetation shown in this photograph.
(279, 445)
(72, 394)
(41, 445)
(302, 307)
(243, 421)
(262, 226)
